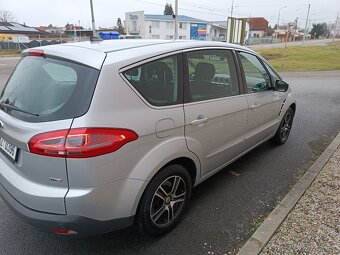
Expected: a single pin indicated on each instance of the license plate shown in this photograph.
(8, 148)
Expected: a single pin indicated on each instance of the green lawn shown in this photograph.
(308, 58)
(9, 52)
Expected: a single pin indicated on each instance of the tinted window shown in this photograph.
(257, 78)
(212, 74)
(49, 89)
(157, 81)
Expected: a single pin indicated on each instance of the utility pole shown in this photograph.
(278, 20)
(296, 24)
(305, 32)
(93, 23)
(176, 20)
(232, 9)
(335, 26)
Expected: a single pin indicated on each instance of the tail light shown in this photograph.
(80, 142)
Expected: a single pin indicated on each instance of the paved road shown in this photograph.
(317, 42)
(225, 208)
(6, 67)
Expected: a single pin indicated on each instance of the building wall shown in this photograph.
(159, 29)
(216, 33)
(137, 24)
(257, 33)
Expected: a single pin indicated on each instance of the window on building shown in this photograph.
(169, 37)
(155, 36)
(169, 25)
(155, 24)
(182, 37)
(182, 25)
(134, 25)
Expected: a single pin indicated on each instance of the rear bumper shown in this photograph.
(48, 222)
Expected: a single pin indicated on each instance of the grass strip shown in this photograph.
(308, 58)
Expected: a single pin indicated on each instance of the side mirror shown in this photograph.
(281, 86)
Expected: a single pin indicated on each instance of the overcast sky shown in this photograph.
(59, 12)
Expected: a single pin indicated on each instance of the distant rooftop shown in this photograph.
(13, 27)
(220, 23)
(182, 18)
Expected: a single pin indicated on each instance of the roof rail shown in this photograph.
(95, 39)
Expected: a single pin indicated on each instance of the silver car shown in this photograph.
(98, 136)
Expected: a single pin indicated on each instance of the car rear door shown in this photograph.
(264, 102)
(216, 110)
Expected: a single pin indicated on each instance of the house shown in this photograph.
(258, 27)
(13, 28)
(50, 29)
(151, 26)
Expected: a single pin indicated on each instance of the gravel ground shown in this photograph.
(313, 226)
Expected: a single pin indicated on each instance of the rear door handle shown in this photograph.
(256, 105)
(198, 121)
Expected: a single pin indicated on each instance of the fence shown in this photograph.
(36, 42)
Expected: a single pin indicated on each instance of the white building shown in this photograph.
(150, 26)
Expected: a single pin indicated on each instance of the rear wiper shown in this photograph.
(12, 107)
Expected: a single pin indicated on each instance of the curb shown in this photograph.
(263, 234)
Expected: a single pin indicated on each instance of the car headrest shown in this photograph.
(204, 71)
(159, 71)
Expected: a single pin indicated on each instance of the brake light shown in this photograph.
(61, 231)
(36, 53)
(80, 142)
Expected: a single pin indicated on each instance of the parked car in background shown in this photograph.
(97, 136)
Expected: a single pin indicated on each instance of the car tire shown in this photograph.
(164, 201)
(283, 131)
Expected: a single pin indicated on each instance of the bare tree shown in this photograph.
(6, 16)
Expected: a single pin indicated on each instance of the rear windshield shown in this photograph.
(48, 89)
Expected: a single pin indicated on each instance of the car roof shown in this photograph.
(93, 53)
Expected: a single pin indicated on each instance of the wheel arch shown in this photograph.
(186, 162)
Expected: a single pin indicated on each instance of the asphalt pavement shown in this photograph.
(226, 208)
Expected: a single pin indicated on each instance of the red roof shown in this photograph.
(258, 23)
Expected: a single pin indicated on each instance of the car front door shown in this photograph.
(263, 101)
(215, 111)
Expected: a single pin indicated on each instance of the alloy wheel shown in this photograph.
(168, 201)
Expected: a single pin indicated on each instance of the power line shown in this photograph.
(184, 9)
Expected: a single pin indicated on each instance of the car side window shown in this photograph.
(274, 76)
(157, 81)
(257, 78)
(212, 74)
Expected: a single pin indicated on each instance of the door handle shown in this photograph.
(198, 121)
(256, 105)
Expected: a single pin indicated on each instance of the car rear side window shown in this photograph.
(157, 81)
(212, 74)
(48, 89)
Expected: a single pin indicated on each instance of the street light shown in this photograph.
(278, 20)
